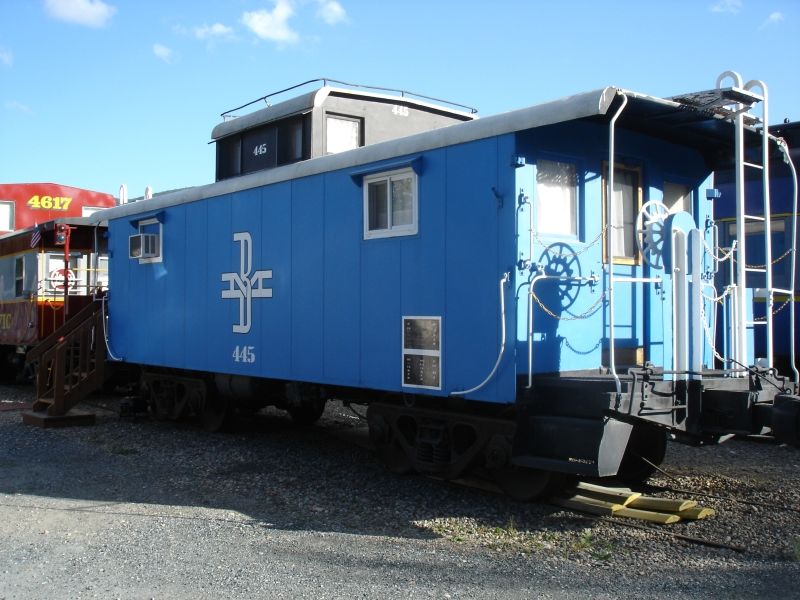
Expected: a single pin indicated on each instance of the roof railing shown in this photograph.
(326, 80)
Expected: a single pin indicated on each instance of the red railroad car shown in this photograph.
(24, 205)
(48, 273)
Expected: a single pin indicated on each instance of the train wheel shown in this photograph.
(646, 448)
(307, 413)
(526, 484)
(217, 412)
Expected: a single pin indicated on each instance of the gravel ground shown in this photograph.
(143, 509)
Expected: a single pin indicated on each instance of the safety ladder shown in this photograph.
(735, 104)
(742, 269)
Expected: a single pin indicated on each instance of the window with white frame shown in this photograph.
(390, 204)
(6, 215)
(556, 198)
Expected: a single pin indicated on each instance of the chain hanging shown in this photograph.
(764, 266)
(585, 315)
(585, 249)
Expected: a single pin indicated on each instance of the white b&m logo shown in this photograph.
(243, 286)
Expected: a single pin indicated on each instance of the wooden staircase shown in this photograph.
(70, 364)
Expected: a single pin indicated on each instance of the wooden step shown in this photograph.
(72, 418)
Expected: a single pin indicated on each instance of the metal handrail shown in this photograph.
(326, 80)
(506, 277)
(767, 213)
(784, 148)
(610, 241)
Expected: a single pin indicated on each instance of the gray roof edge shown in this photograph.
(298, 104)
(310, 100)
(574, 107)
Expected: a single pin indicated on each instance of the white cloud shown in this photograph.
(331, 12)
(163, 53)
(6, 57)
(19, 107)
(772, 19)
(91, 13)
(215, 31)
(727, 6)
(272, 25)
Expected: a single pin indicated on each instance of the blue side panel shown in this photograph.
(380, 314)
(122, 296)
(223, 256)
(308, 260)
(170, 288)
(337, 301)
(423, 266)
(273, 353)
(506, 378)
(198, 282)
(472, 339)
(342, 268)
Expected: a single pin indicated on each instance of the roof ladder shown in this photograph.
(739, 114)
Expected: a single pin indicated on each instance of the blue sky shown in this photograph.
(94, 93)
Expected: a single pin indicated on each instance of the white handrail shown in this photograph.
(503, 281)
(784, 148)
(739, 320)
(610, 241)
(767, 214)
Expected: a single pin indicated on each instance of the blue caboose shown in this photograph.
(526, 293)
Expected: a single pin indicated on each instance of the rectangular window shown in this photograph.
(291, 147)
(390, 204)
(627, 200)
(677, 197)
(556, 198)
(341, 133)
(6, 216)
(229, 157)
(19, 276)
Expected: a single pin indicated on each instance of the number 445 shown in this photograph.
(245, 354)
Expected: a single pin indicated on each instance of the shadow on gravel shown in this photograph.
(267, 473)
